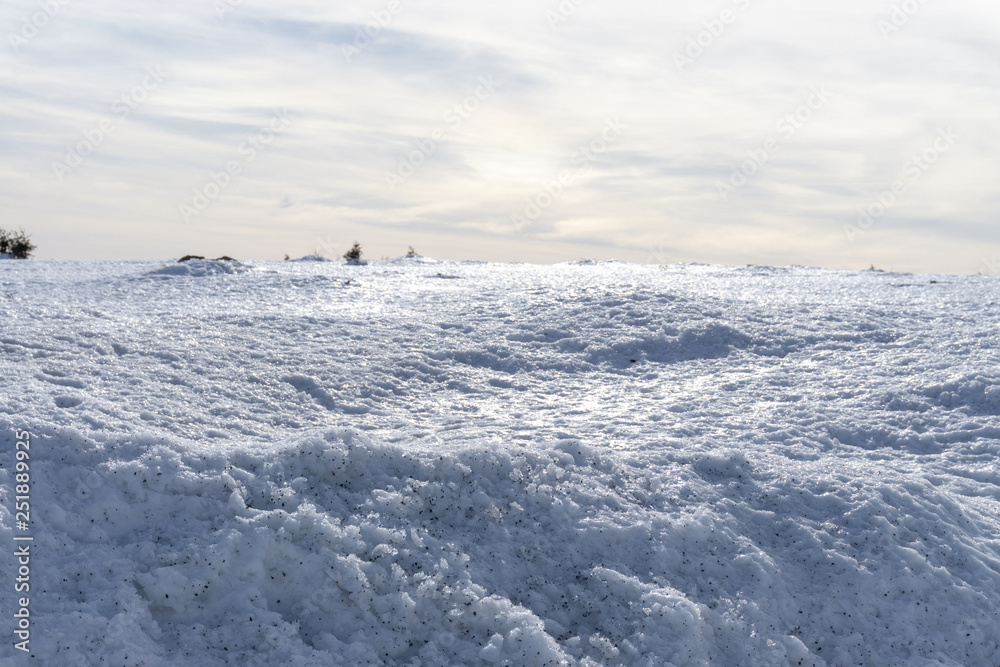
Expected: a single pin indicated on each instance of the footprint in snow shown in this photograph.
(307, 385)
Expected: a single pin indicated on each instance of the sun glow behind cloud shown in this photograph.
(368, 107)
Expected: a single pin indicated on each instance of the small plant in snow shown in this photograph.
(354, 254)
(18, 246)
(410, 252)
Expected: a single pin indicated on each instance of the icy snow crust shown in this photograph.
(416, 463)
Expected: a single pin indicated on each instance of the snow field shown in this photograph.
(464, 464)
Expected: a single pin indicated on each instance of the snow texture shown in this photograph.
(413, 462)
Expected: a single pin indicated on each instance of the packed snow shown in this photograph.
(418, 462)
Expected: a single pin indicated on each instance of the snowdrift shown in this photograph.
(334, 549)
(200, 268)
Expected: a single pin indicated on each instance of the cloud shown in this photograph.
(360, 113)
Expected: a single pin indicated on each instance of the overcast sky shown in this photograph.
(750, 131)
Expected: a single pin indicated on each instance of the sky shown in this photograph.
(844, 135)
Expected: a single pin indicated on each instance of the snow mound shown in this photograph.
(414, 259)
(713, 341)
(586, 261)
(335, 549)
(312, 258)
(976, 395)
(199, 268)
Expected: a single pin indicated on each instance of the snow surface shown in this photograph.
(461, 463)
